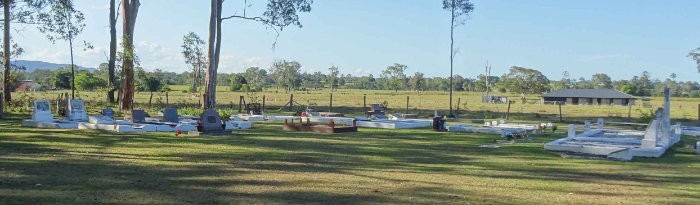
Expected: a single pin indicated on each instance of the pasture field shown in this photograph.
(265, 165)
(423, 103)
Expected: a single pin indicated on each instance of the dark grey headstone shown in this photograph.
(376, 107)
(138, 116)
(211, 121)
(170, 115)
(108, 112)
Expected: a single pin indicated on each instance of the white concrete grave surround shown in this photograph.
(623, 144)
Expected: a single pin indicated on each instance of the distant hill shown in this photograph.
(33, 65)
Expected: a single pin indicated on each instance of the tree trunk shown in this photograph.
(112, 51)
(129, 13)
(214, 25)
(150, 99)
(6, 49)
(452, 44)
(72, 69)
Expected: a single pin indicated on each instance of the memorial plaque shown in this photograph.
(211, 121)
(138, 116)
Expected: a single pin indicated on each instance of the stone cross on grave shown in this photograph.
(42, 111)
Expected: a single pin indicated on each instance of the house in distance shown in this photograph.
(588, 97)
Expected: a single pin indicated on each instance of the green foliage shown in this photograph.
(85, 80)
(153, 84)
(646, 115)
(61, 78)
(238, 81)
(695, 54)
(525, 80)
(394, 76)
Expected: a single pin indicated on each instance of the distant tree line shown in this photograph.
(288, 75)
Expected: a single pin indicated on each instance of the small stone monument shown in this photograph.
(108, 113)
(76, 111)
(572, 131)
(170, 115)
(697, 147)
(138, 116)
(210, 121)
(42, 111)
(600, 124)
(586, 126)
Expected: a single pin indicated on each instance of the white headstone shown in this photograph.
(650, 136)
(76, 110)
(487, 124)
(572, 131)
(697, 147)
(600, 124)
(42, 111)
(586, 126)
(500, 122)
(494, 123)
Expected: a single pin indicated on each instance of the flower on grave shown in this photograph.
(178, 132)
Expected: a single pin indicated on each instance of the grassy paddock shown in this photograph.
(423, 103)
(266, 165)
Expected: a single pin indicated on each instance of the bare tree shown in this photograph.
(459, 11)
(279, 14)
(64, 22)
(193, 51)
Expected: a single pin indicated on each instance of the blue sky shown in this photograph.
(621, 38)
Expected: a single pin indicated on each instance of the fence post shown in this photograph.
(263, 104)
(407, 100)
(561, 119)
(167, 100)
(330, 108)
(364, 103)
(291, 101)
(508, 111)
(459, 101)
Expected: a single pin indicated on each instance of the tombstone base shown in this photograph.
(49, 125)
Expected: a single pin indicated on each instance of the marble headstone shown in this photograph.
(210, 121)
(572, 131)
(138, 116)
(600, 124)
(170, 115)
(42, 111)
(586, 126)
(76, 110)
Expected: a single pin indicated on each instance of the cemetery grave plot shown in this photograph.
(42, 117)
(331, 127)
(508, 131)
(622, 144)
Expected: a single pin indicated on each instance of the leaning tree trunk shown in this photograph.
(6, 49)
(129, 12)
(210, 87)
(72, 69)
(112, 51)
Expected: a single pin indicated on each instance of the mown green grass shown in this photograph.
(267, 166)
